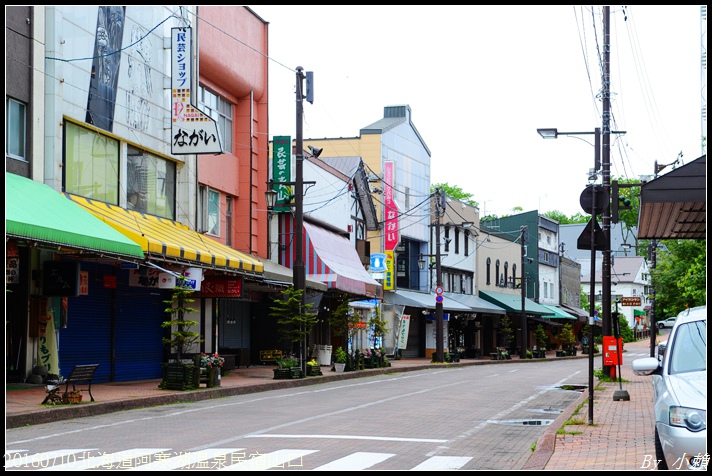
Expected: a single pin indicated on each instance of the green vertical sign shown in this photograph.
(282, 171)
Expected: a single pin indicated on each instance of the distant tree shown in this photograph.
(680, 276)
(564, 220)
(628, 219)
(453, 191)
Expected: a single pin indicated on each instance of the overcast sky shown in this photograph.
(480, 80)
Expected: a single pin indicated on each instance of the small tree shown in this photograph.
(378, 326)
(567, 338)
(542, 340)
(294, 320)
(182, 338)
(506, 330)
(343, 320)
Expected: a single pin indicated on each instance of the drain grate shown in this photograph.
(575, 387)
(525, 422)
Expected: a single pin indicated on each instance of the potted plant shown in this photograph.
(541, 342)
(212, 364)
(344, 323)
(294, 319)
(177, 375)
(313, 369)
(287, 367)
(568, 340)
(340, 359)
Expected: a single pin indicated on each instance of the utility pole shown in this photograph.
(439, 331)
(522, 237)
(606, 180)
(299, 277)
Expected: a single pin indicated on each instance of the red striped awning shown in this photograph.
(332, 259)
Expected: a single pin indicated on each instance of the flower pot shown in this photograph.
(339, 367)
(214, 376)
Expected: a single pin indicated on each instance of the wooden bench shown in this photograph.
(81, 374)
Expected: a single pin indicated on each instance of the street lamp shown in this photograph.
(605, 168)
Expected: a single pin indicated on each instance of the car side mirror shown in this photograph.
(661, 350)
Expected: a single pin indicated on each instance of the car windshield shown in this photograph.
(689, 350)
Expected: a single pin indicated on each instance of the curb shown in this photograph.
(54, 414)
(546, 444)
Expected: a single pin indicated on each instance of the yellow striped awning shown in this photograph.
(170, 240)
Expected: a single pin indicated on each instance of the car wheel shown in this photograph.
(659, 455)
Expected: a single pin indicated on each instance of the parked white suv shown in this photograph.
(680, 393)
(669, 322)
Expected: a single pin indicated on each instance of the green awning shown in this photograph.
(512, 303)
(36, 212)
(559, 313)
(638, 312)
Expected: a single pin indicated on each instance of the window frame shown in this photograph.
(15, 127)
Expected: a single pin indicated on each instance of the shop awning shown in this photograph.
(333, 260)
(36, 212)
(550, 322)
(513, 303)
(422, 300)
(277, 275)
(638, 313)
(170, 240)
(581, 314)
(475, 303)
(559, 313)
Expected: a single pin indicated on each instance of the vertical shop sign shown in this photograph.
(192, 131)
(403, 332)
(388, 275)
(84, 283)
(12, 266)
(391, 236)
(282, 171)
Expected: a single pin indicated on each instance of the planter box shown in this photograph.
(339, 367)
(180, 376)
(286, 374)
(313, 371)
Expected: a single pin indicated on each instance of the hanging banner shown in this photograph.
(48, 355)
(403, 332)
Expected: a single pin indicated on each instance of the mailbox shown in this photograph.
(611, 351)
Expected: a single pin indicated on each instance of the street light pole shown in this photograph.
(592, 305)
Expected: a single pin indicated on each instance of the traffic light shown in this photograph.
(619, 202)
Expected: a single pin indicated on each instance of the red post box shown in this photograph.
(612, 353)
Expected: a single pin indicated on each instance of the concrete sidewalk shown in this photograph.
(621, 437)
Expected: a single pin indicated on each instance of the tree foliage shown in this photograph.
(342, 319)
(295, 321)
(453, 191)
(506, 330)
(680, 276)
